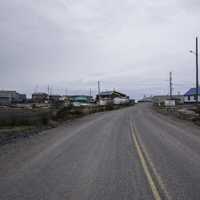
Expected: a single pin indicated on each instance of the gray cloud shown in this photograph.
(130, 45)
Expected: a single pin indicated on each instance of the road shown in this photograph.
(132, 153)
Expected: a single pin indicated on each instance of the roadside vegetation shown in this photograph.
(15, 122)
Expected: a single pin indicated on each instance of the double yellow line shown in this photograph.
(142, 153)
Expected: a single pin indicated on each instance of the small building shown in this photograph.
(145, 100)
(112, 97)
(132, 101)
(22, 98)
(81, 100)
(162, 99)
(8, 97)
(190, 95)
(54, 99)
(39, 97)
(65, 100)
(170, 103)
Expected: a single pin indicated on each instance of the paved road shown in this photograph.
(132, 153)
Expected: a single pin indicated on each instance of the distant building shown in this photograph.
(112, 97)
(8, 97)
(160, 100)
(80, 100)
(132, 101)
(20, 98)
(145, 100)
(170, 103)
(39, 97)
(66, 100)
(54, 98)
(190, 95)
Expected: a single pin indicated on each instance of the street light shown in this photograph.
(191, 51)
(197, 70)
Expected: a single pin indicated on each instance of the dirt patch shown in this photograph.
(181, 112)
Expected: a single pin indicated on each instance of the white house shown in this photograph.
(112, 97)
(8, 97)
(158, 100)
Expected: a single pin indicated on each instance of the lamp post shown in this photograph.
(197, 70)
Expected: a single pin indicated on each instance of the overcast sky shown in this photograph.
(128, 45)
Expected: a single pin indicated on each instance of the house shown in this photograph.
(190, 95)
(39, 97)
(112, 97)
(162, 99)
(8, 97)
(21, 98)
(132, 101)
(54, 99)
(145, 100)
(65, 100)
(80, 100)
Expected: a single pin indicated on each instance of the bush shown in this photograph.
(21, 117)
(62, 113)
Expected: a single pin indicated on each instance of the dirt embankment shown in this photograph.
(16, 123)
(183, 112)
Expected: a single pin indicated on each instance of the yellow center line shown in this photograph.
(158, 178)
(152, 185)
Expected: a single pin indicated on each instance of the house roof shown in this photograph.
(166, 97)
(106, 93)
(192, 91)
(109, 93)
(8, 91)
(39, 93)
(79, 96)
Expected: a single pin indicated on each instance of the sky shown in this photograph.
(69, 45)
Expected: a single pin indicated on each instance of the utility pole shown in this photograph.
(91, 95)
(99, 90)
(170, 84)
(90, 92)
(197, 73)
(197, 70)
(48, 90)
(51, 90)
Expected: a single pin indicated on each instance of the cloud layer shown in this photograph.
(126, 44)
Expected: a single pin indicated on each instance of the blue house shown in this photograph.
(190, 95)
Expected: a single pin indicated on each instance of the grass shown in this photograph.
(15, 128)
(22, 123)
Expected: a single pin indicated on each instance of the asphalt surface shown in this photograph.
(96, 157)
